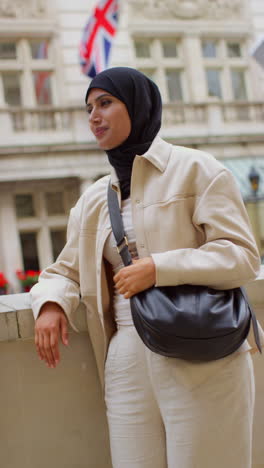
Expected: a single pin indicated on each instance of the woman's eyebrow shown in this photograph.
(98, 98)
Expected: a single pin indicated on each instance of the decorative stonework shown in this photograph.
(187, 9)
(22, 8)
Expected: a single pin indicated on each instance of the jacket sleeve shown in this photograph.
(60, 282)
(229, 256)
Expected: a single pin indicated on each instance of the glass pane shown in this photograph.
(11, 82)
(24, 206)
(173, 78)
(8, 50)
(169, 49)
(148, 72)
(238, 85)
(233, 50)
(29, 250)
(42, 84)
(142, 49)
(213, 83)
(58, 240)
(209, 49)
(54, 203)
(39, 49)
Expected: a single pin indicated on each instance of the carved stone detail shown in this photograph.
(22, 8)
(187, 9)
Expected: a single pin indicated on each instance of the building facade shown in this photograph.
(197, 51)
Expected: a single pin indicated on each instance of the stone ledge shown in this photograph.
(17, 321)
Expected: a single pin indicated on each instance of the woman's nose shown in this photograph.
(94, 116)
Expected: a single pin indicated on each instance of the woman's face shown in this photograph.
(108, 119)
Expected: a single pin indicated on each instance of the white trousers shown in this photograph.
(169, 413)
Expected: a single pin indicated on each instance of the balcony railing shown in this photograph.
(184, 113)
(70, 124)
(45, 118)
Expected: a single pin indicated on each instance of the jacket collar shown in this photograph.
(158, 154)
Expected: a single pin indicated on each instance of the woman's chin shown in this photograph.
(104, 146)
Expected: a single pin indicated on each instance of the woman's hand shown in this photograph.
(51, 325)
(135, 278)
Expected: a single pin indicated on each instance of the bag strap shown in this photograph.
(122, 248)
(118, 226)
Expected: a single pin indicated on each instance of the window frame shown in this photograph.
(159, 64)
(26, 66)
(42, 224)
(225, 64)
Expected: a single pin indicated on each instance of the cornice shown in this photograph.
(218, 10)
(191, 28)
(27, 27)
(92, 147)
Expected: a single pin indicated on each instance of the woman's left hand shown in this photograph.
(134, 278)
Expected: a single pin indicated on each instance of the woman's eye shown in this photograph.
(105, 102)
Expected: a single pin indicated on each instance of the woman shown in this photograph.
(186, 224)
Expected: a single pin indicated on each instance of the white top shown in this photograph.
(121, 305)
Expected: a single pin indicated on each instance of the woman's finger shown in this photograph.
(37, 344)
(64, 331)
(54, 346)
(48, 352)
(41, 347)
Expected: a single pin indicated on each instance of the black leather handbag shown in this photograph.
(194, 323)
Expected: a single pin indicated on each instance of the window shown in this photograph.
(11, 84)
(173, 78)
(225, 64)
(39, 49)
(169, 49)
(233, 49)
(213, 82)
(58, 240)
(42, 216)
(24, 206)
(162, 60)
(142, 49)
(8, 51)
(29, 249)
(26, 72)
(209, 49)
(238, 85)
(42, 87)
(54, 203)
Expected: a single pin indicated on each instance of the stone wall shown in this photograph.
(56, 418)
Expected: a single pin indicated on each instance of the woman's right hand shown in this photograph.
(51, 325)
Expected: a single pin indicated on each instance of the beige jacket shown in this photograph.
(187, 213)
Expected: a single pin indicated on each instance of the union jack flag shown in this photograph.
(97, 37)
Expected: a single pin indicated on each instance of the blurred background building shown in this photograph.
(198, 52)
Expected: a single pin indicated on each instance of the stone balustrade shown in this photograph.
(56, 417)
(20, 121)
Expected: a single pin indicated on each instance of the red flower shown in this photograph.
(27, 278)
(3, 281)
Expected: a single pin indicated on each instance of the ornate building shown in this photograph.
(198, 53)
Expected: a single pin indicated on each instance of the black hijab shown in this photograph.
(143, 102)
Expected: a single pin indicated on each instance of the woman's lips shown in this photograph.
(100, 131)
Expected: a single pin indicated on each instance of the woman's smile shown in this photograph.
(99, 132)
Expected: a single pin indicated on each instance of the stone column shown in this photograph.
(10, 251)
(195, 69)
